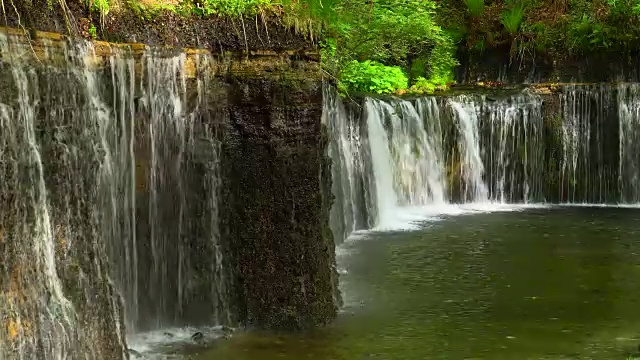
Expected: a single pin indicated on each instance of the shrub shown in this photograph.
(372, 77)
(101, 6)
(233, 8)
(587, 33)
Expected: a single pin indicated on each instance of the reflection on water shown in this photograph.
(560, 283)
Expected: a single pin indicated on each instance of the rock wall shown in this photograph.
(232, 142)
(56, 296)
(274, 152)
(500, 65)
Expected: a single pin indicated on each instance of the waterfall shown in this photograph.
(418, 176)
(590, 144)
(53, 160)
(629, 113)
(576, 145)
(175, 247)
(351, 161)
(512, 137)
(432, 157)
(471, 165)
(119, 219)
(385, 195)
(106, 161)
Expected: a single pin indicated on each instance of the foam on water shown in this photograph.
(161, 344)
(417, 217)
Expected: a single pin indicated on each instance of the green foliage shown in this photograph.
(372, 77)
(512, 18)
(385, 36)
(423, 86)
(440, 68)
(636, 8)
(419, 67)
(149, 10)
(441, 64)
(545, 37)
(232, 8)
(475, 7)
(101, 6)
(589, 33)
(93, 31)
(387, 30)
(621, 7)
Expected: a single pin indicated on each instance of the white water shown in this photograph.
(576, 135)
(426, 119)
(58, 318)
(516, 128)
(53, 166)
(160, 344)
(418, 157)
(386, 199)
(93, 161)
(471, 165)
(629, 113)
(348, 154)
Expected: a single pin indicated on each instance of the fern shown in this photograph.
(475, 7)
(512, 18)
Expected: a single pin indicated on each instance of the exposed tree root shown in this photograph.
(27, 33)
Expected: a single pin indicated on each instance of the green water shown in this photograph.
(560, 283)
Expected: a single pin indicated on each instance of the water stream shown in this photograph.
(109, 188)
(576, 147)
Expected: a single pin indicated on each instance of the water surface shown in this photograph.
(554, 283)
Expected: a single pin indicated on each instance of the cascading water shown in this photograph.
(629, 113)
(588, 165)
(173, 166)
(417, 164)
(512, 137)
(471, 165)
(576, 146)
(433, 157)
(412, 164)
(96, 160)
(385, 195)
(351, 164)
(53, 159)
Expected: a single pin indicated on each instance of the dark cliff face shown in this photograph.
(277, 220)
(501, 65)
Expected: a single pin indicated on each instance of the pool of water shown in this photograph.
(545, 283)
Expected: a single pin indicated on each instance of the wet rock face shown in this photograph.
(274, 151)
(107, 172)
(499, 65)
(56, 298)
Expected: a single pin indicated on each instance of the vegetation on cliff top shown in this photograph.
(419, 38)
(399, 46)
